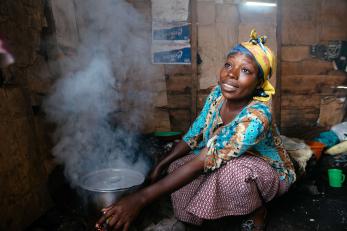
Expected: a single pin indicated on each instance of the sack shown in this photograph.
(340, 130)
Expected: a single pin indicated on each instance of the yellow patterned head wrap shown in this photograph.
(265, 60)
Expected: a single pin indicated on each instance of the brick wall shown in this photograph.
(306, 80)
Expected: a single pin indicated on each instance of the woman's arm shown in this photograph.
(122, 213)
(179, 150)
(176, 179)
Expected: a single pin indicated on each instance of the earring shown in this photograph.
(260, 92)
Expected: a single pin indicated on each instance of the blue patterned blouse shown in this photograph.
(252, 131)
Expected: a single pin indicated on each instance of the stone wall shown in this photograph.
(306, 80)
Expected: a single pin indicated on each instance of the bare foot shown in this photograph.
(256, 220)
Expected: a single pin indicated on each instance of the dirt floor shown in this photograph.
(298, 210)
(310, 205)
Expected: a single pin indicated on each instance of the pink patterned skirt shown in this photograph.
(237, 188)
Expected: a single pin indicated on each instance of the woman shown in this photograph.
(239, 162)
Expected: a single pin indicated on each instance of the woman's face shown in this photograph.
(238, 77)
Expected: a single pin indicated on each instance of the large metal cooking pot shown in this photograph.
(106, 186)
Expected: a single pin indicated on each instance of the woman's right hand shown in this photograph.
(121, 214)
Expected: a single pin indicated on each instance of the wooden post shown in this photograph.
(194, 47)
(277, 98)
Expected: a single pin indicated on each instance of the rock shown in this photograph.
(168, 224)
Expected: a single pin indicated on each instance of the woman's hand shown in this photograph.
(178, 151)
(121, 214)
(155, 174)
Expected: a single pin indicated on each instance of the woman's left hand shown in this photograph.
(121, 214)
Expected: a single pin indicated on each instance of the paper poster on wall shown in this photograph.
(172, 52)
(170, 10)
(170, 31)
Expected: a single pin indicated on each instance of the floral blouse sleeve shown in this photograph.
(195, 132)
(235, 139)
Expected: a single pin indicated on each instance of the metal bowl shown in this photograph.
(104, 187)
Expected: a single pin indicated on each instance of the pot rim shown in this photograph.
(93, 189)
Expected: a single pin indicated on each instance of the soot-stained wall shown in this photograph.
(24, 146)
(25, 149)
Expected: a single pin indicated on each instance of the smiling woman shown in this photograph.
(233, 160)
(238, 77)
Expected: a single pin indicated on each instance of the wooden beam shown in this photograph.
(277, 98)
(312, 84)
(295, 101)
(194, 47)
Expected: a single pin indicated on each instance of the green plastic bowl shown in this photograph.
(168, 136)
(167, 133)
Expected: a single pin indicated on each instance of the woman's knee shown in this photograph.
(236, 177)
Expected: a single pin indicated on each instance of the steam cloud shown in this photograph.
(109, 73)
